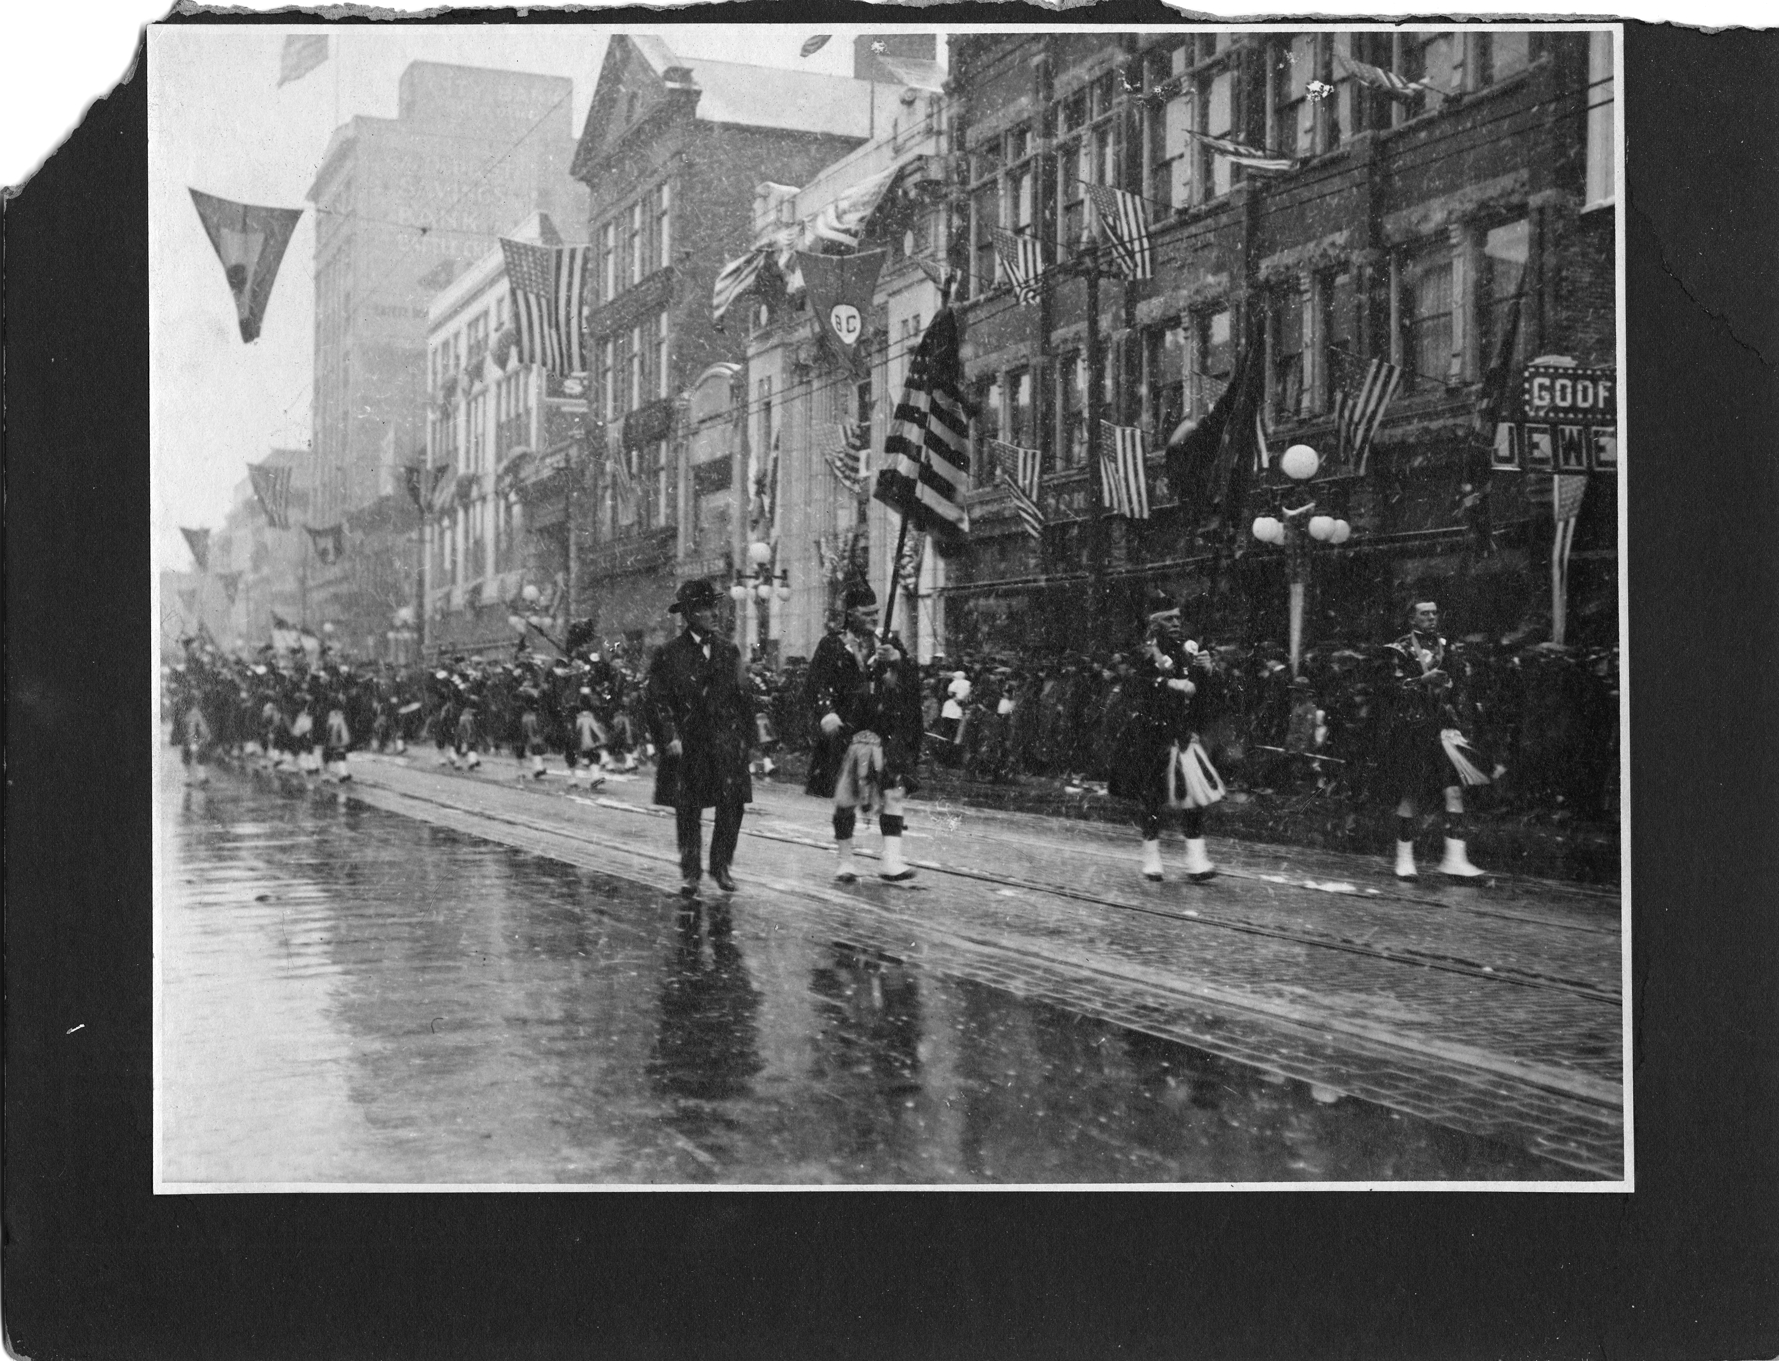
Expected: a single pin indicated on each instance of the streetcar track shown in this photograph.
(1494, 974)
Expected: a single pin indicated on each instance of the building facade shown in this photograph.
(500, 437)
(403, 205)
(1404, 231)
(672, 152)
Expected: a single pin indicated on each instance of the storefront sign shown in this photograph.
(1535, 447)
(1570, 396)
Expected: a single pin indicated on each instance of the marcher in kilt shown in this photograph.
(1158, 762)
(863, 694)
(702, 724)
(1426, 755)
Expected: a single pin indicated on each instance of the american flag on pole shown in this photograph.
(1565, 505)
(1024, 263)
(1125, 220)
(1356, 414)
(549, 284)
(271, 485)
(1122, 478)
(928, 448)
(735, 279)
(1387, 82)
(1257, 160)
(1018, 470)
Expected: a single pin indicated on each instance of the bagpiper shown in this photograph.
(863, 695)
(1160, 764)
(1426, 755)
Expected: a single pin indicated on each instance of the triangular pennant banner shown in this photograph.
(840, 289)
(250, 242)
(198, 540)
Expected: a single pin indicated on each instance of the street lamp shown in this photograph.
(761, 582)
(1288, 529)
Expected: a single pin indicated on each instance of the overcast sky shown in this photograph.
(219, 122)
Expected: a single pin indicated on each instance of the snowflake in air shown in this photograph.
(1318, 89)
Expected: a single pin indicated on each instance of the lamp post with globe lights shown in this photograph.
(1291, 527)
(532, 617)
(402, 634)
(761, 584)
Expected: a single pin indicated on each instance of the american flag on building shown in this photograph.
(1357, 414)
(549, 285)
(1124, 218)
(928, 448)
(1254, 158)
(1018, 470)
(1023, 260)
(623, 485)
(1387, 82)
(735, 279)
(847, 459)
(1123, 481)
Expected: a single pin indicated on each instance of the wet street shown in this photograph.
(440, 979)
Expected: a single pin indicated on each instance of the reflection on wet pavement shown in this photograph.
(353, 997)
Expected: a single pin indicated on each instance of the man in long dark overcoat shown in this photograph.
(702, 723)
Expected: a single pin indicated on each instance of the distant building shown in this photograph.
(402, 205)
(268, 568)
(502, 437)
(672, 151)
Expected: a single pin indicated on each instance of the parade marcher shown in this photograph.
(336, 735)
(864, 695)
(701, 722)
(467, 735)
(1160, 763)
(1426, 753)
(586, 743)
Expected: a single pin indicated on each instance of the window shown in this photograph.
(663, 372)
(1170, 122)
(608, 261)
(1503, 268)
(500, 312)
(1219, 122)
(1164, 372)
(1021, 418)
(477, 342)
(1359, 108)
(635, 383)
(663, 226)
(1432, 57)
(608, 391)
(1339, 331)
(1071, 216)
(1071, 410)
(635, 245)
(1285, 386)
(764, 402)
(1296, 62)
(987, 424)
(1427, 319)
(985, 213)
(1216, 355)
(1602, 167)
(650, 471)
(478, 432)
(1019, 198)
(1501, 53)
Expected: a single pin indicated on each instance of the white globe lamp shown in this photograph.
(1342, 532)
(529, 594)
(1321, 528)
(1300, 462)
(759, 553)
(1269, 530)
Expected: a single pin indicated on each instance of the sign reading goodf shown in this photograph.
(1570, 396)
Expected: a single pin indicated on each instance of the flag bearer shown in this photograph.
(863, 693)
(1426, 755)
(1160, 764)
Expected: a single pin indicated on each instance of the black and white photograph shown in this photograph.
(786, 606)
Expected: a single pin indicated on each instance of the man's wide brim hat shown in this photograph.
(859, 596)
(694, 595)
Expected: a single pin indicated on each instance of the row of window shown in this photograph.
(459, 549)
(467, 345)
(633, 367)
(656, 502)
(1292, 93)
(633, 244)
(1438, 310)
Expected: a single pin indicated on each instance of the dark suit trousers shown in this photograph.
(725, 831)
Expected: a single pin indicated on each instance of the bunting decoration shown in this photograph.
(1385, 82)
(927, 450)
(271, 486)
(1124, 218)
(444, 488)
(250, 242)
(1210, 463)
(302, 53)
(1357, 414)
(549, 285)
(736, 278)
(1255, 159)
(1021, 257)
(330, 543)
(198, 540)
(1124, 485)
(1019, 471)
(231, 585)
(847, 460)
(1493, 409)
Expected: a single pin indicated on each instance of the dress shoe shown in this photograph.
(723, 879)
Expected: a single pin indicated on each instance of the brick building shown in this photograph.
(672, 152)
(1402, 233)
(402, 205)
